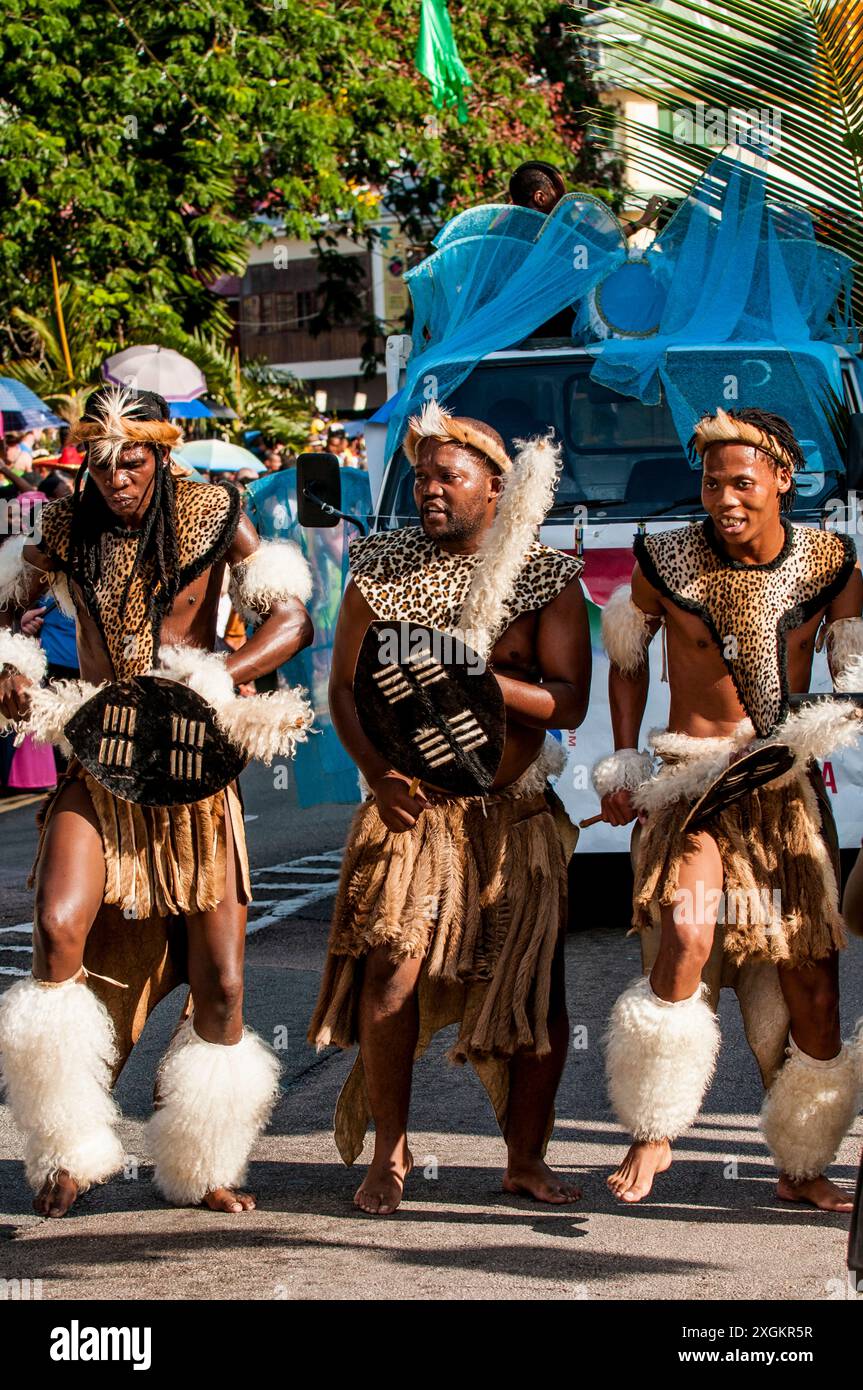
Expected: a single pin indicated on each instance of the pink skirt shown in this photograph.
(33, 766)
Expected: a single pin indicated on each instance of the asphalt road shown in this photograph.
(713, 1229)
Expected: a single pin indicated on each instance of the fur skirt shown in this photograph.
(477, 889)
(779, 852)
(161, 861)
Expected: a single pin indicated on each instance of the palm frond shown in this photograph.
(800, 62)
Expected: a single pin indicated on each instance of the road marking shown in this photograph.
(15, 803)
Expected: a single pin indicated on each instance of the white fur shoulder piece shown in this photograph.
(277, 570)
(15, 572)
(625, 631)
(24, 654)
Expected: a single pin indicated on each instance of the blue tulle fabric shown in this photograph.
(730, 270)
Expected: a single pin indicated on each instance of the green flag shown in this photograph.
(437, 58)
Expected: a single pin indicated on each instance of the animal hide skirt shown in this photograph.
(477, 889)
(161, 861)
(779, 899)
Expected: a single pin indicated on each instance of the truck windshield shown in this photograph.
(619, 455)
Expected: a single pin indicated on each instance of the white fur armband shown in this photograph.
(15, 572)
(276, 571)
(624, 770)
(625, 632)
(845, 653)
(24, 654)
(264, 726)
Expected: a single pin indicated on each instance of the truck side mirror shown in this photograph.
(854, 453)
(319, 490)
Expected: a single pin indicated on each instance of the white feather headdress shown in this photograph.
(116, 409)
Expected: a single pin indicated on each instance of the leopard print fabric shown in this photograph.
(756, 605)
(207, 517)
(405, 577)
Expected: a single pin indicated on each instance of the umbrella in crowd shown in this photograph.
(22, 409)
(153, 368)
(217, 456)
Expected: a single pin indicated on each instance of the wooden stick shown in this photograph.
(591, 820)
(414, 786)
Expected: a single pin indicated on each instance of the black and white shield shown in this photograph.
(430, 706)
(155, 742)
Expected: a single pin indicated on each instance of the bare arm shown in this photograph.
(285, 630)
(846, 605)
(398, 810)
(564, 660)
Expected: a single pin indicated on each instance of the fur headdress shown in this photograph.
(528, 492)
(436, 422)
(113, 423)
(723, 428)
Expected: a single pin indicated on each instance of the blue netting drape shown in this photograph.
(497, 274)
(730, 268)
(323, 770)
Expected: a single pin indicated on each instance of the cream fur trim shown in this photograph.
(24, 654)
(689, 765)
(625, 632)
(15, 572)
(660, 1059)
(436, 422)
(215, 1101)
(59, 585)
(117, 424)
(809, 1109)
(51, 708)
(276, 571)
(264, 726)
(57, 1051)
(527, 494)
(624, 770)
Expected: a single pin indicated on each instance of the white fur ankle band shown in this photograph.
(660, 1059)
(809, 1109)
(215, 1100)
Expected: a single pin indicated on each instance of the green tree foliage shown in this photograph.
(142, 142)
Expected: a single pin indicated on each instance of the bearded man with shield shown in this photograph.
(142, 877)
(460, 642)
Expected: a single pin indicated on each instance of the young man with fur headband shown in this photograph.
(137, 556)
(741, 598)
(452, 908)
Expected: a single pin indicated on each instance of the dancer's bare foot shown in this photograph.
(56, 1195)
(530, 1177)
(634, 1178)
(228, 1199)
(821, 1192)
(380, 1191)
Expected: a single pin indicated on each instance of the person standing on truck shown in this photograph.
(453, 908)
(741, 597)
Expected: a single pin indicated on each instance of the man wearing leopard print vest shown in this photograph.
(751, 900)
(133, 899)
(451, 908)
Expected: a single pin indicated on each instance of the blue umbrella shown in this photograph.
(189, 410)
(22, 409)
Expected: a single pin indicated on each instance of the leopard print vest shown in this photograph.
(405, 577)
(207, 515)
(749, 609)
